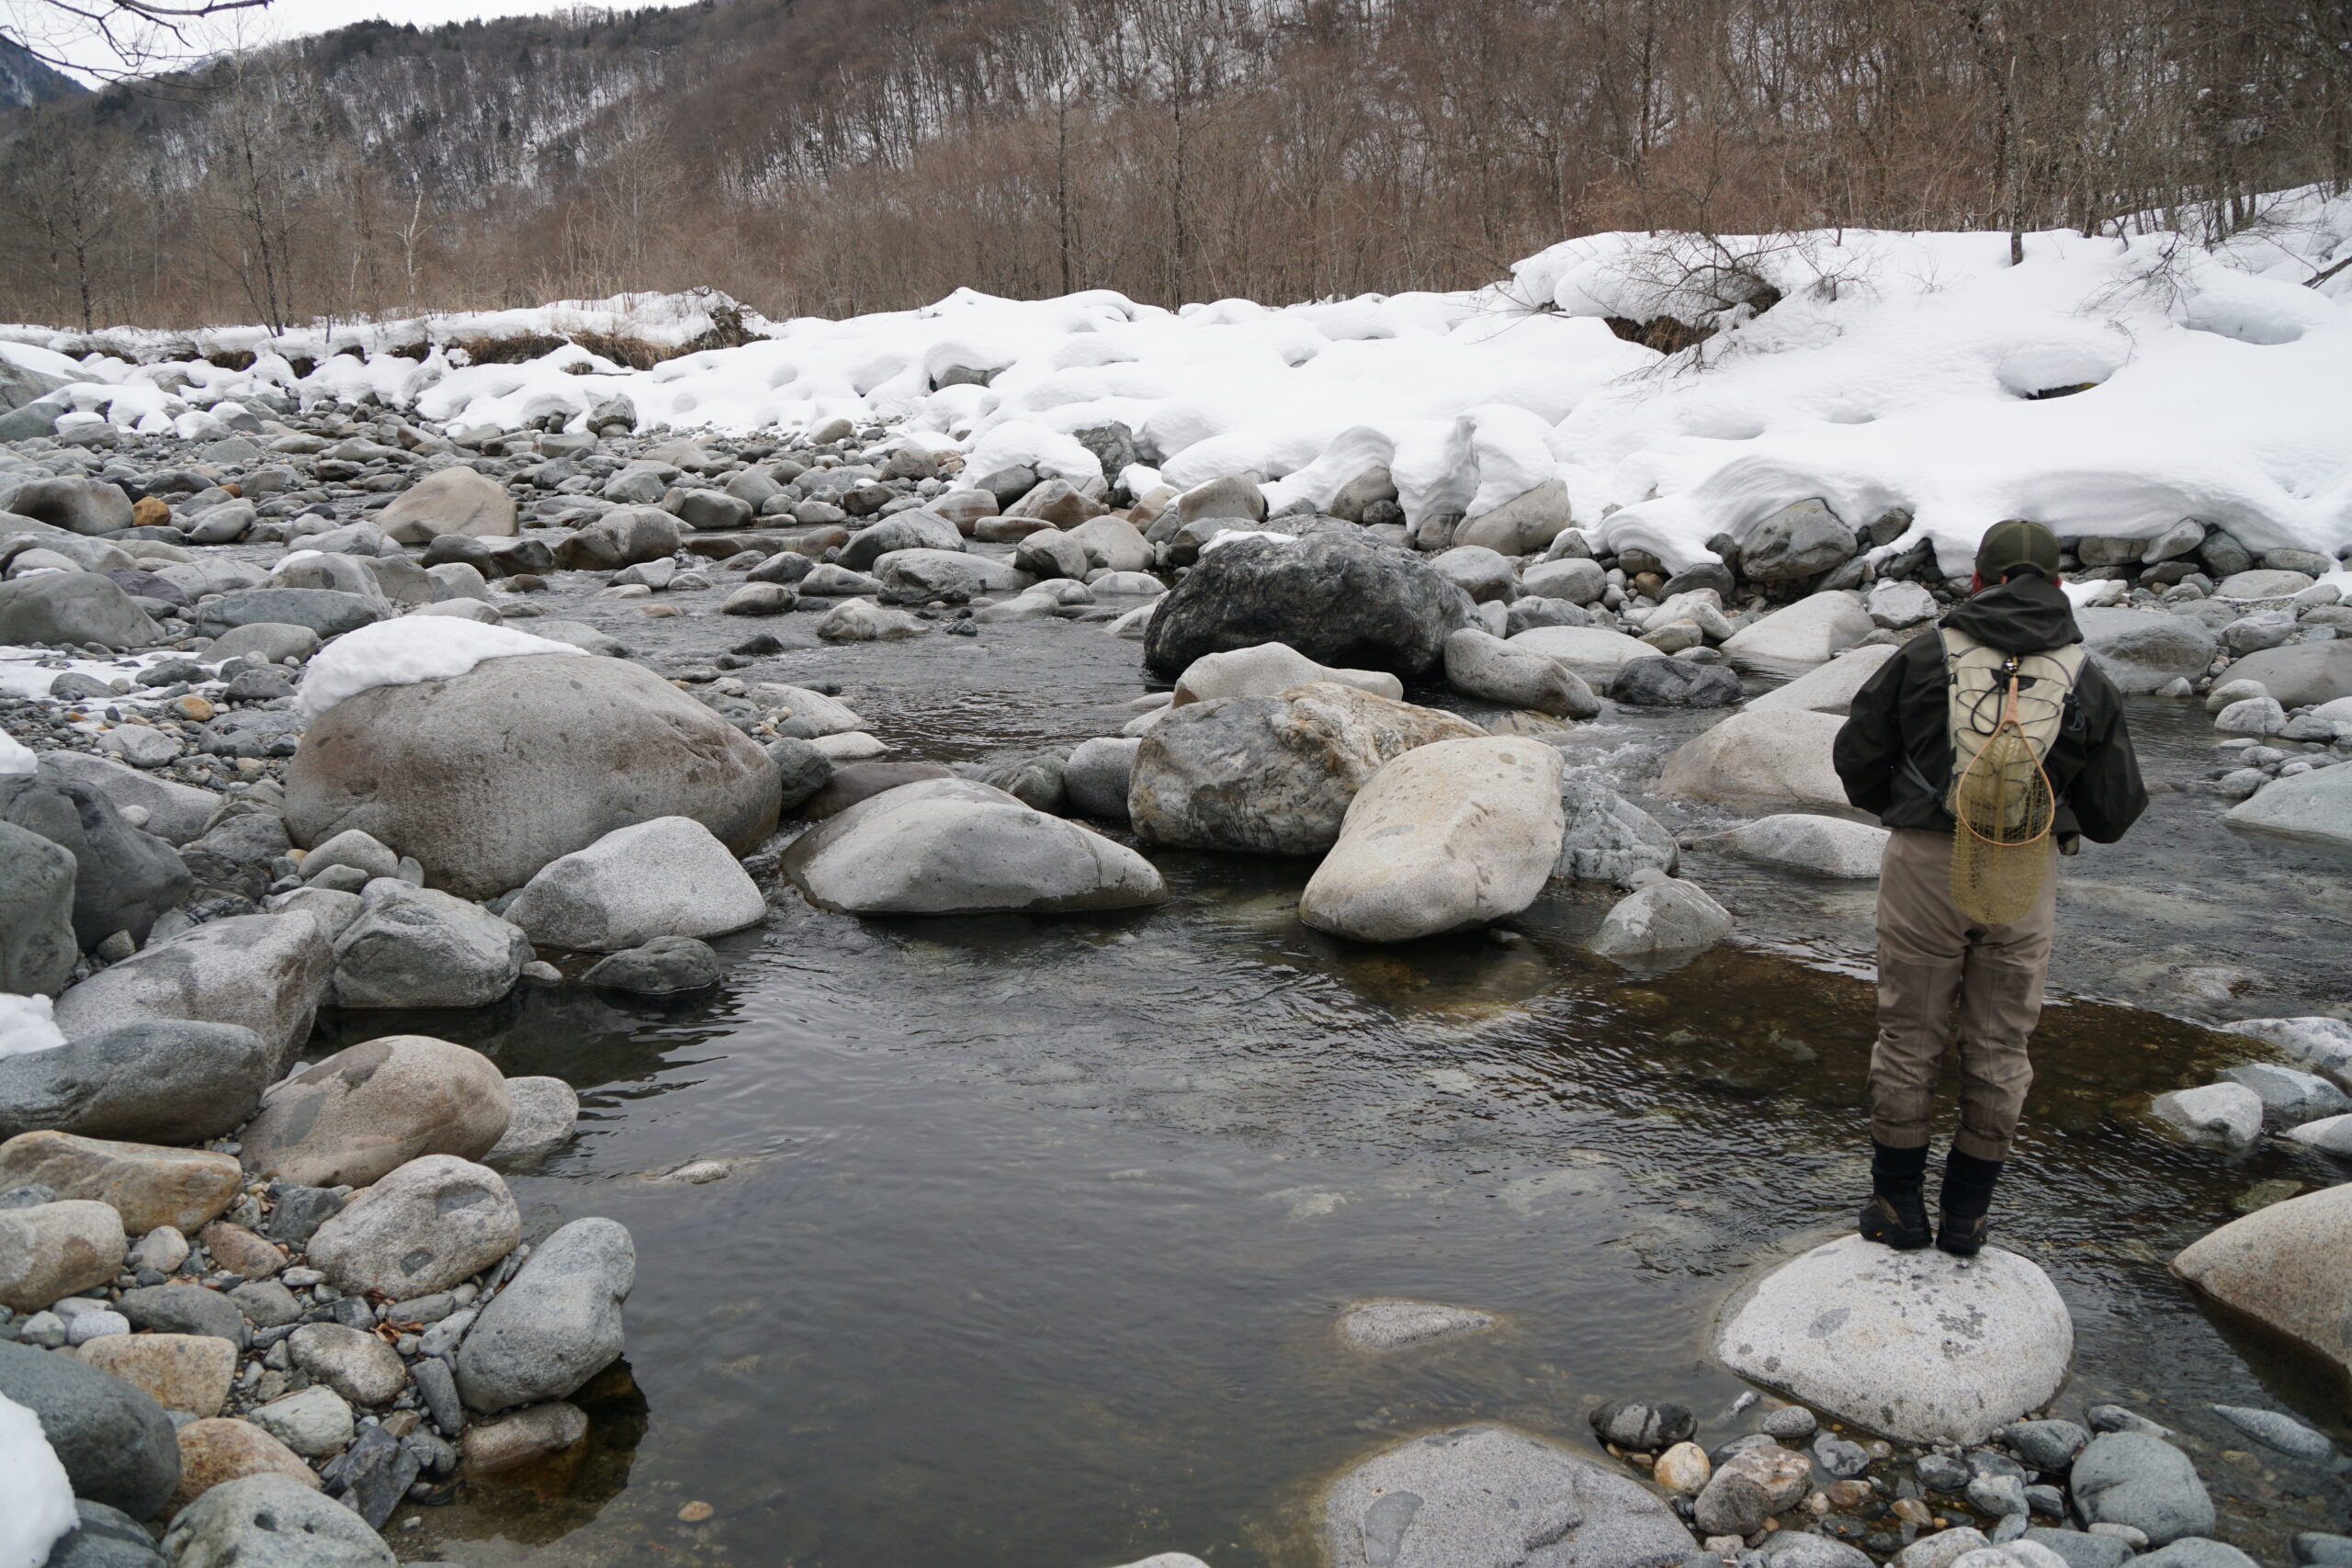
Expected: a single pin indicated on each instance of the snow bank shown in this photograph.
(36, 1498)
(2108, 385)
(26, 1026)
(15, 759)
(403, 652)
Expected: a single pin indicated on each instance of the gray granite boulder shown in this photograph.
(266, 972)
(272, 1521)
(156, 1081)
(1493, 1496)
(61, 608)
(2135, 1479)
(416, 947)
(116, 1443)
(556, 1325)
(38, 948)
(123, 877)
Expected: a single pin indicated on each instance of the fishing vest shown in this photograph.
(1977, 687)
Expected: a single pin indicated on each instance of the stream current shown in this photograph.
(1034, 1234)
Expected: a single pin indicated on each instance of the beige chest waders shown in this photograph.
(2004, 712)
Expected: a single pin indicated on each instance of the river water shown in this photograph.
(1035, 1234)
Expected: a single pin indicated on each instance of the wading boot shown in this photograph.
(1897, 1215)
(1967, 1198)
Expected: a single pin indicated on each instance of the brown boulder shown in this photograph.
(147, 1184)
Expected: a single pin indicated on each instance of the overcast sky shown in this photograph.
(59, 37)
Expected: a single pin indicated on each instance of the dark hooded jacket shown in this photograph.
(1900, 716)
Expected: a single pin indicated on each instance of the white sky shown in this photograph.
(58, 36)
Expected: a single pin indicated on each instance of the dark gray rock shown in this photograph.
(2132, 1478)
(1641, 1426)
(1839, 1458)
(176, 812)
(247, 838)
(300, 1211)
(1801, 540)
(1341, 600)
(664, 966)
(1941, 1472)
(163, 1081)
(184, 1309)
(123, 878)
(104, 1537)
(372, 1475)
(556, 1325)
(252, 732)
(438, 1384)
(2315, 1549)
(1674, 682)
(116, 1443)
(801, 770)
(2047, 1445)
(1491, 1494)
(37, 943)
(324, 611)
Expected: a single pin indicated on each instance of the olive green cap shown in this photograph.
(2017, 543)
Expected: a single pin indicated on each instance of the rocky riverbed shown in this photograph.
(1033, 1230)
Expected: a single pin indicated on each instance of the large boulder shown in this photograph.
(364, 1111)
(2140, 650)
(2302, 674)
(956, 847)
(418, 947)
(624, 536)
(2315, 806)
(1808, 632)
(266, 972)
(1769, 759)
(114, 1441)
(162, 1081)
(454, 501)
(666, 877)
(487, 777)
(1338, 600)
(1921, 1347)
(1522, 525)
(271, 1520)
(1831, 687)
(38, 947)
(1494, 1495)
(1673, 683)
(426, 1226)
(916, 576)
(1480, 664)
(59, 608)
(1272, 776)
(1804, 539)
(1446, 837)
(1269, 668)
(556, 1325)
(123, 877)
(2283, 1267)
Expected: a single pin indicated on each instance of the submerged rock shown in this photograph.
(1606, 838)
(1662, 923)
(1389, 1323)
(1917, 1346)
(1267, 669)
(1491, 1495)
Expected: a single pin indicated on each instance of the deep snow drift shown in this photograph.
(1894, 371)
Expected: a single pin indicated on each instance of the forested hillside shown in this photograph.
(825, 156)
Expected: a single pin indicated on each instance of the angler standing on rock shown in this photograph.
(1986, 746)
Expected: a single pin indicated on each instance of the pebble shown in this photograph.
(1792, 1423)
(1838, 1457)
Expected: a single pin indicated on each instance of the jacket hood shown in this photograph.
(2026, 615)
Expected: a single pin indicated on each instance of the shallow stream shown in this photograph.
(1035, 1234)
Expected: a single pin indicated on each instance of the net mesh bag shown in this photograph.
(2004, 809)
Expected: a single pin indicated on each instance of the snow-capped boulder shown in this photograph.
(1266, 669)
(486, 777)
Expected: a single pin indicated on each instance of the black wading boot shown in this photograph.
(1897, 1215)
(1967, 1199)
